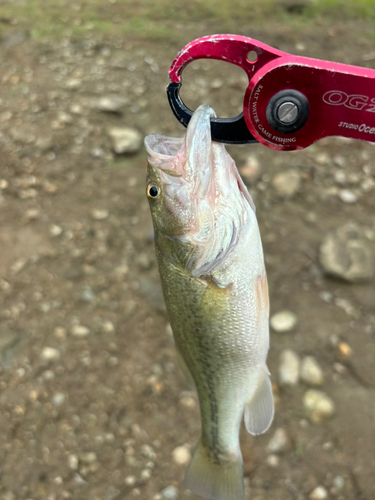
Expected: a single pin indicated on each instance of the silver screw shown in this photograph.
(287, 112)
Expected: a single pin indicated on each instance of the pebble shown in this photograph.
(250, 171)
(181, 455)
(287, 184)
(100, 214)
(125, 140)
(339, 482)
(170, 493)
(318, 405)
(347, 254)
(108, 327)
(187, 402)
(273, 460)
(289, 368)
(111, 104)
(73, 462)
(130, 480)
(283, 321)
(73, 83)
(347, 196)
(87, 294)
(58, 399)
(55, 230)
(319, 493)
(80, 331)
(50, 354)
(279, 441)
(310, 372)
(89, 457)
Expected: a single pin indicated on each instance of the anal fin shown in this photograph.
(260, 409)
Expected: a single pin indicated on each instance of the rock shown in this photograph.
(170, 493)
(287, 184)
(58, 399)
(273, 460)
(310, 372)
(338, 482)
(318, 405)
(283, 321)
(73, 462)
(87, 294)
(50, 354)
(111, 104)
(80, 331)
(289, 368)
(319, 493)
(347, 196)
(125, 140)
(279, 441)
(73, 84)
(250, 171)
(181, 455)
(130, 480)
(88, 458)
(346, 253)
(108, 327)
(100, 214)
(55, 230)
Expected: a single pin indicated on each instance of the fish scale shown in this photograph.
(215, 289)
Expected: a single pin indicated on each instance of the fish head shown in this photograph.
(197, 198)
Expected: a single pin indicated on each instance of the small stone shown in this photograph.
(340, 177)
(318, 405)
(347, 254)
(76, 109)
(273, 460)
(32, 214)
(58, 399)
(89, 457)
(111, 104)
(311, 373)
(45, 143)
(339, 482)
(146, 474)
(100, 214)
(4, 184)
(130, 480)
(125, 140)
(143, 261)
(80, 331)
(283, 321)
(170, 493)
(187, 402)
(50, 354)
(64, 117)
(279, 442)
(345, 350)
(287, 183)
(55, 230)
(289, 368)
(73, 84)
(181, 455)
(87, 294)
(108, 327)
(347, 196)
(5, 116)
(73, 462)
(319, 493)
(250, 171)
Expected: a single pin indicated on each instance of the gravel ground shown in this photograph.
(92, 402)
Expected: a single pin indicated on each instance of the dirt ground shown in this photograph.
(99, 413)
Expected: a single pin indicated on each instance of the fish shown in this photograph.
(214, 282)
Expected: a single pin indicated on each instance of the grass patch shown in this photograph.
(165, 19)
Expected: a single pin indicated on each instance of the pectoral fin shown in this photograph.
(259, 410)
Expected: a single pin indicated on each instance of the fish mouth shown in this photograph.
(189, 157)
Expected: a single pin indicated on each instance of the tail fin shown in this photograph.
(219, 481)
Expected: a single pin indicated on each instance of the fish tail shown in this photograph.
(219, 480)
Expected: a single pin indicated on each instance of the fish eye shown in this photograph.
(153, 191)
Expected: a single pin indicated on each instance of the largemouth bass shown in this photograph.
(211, 265)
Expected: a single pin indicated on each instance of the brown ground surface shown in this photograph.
(112, 399)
